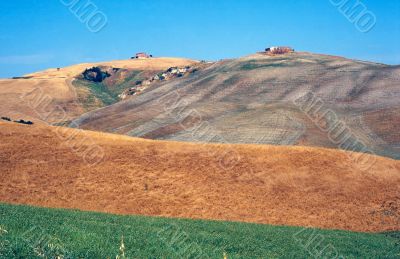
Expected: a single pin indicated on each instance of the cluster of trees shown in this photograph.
(95, 74)
(19, 121)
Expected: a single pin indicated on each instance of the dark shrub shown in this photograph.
(24, 122)
(95, 74)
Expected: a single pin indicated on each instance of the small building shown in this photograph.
(146, 82)
(142, 55)
(279, 50)
(183, 70)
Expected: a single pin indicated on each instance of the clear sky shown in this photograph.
(39, 34)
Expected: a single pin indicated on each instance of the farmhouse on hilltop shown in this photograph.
(279, 50)
(142, 55)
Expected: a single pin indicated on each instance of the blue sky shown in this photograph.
(39, 34)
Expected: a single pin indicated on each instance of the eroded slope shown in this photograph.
(53, 96)
(263, 99)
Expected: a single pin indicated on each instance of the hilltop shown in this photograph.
(296, 98)
(289, 99)
(57, 95)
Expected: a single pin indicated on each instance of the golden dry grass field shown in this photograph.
(297, 186)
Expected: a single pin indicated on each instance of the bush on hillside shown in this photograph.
(95, 74)
(24, 122)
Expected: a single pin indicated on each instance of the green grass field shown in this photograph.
(28, 232)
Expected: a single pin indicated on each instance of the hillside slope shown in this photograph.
(299, 186)
(53, 97)
(263, 99)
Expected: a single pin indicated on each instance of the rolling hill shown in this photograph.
(297, 186)
(57, 96)
(292, 99)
